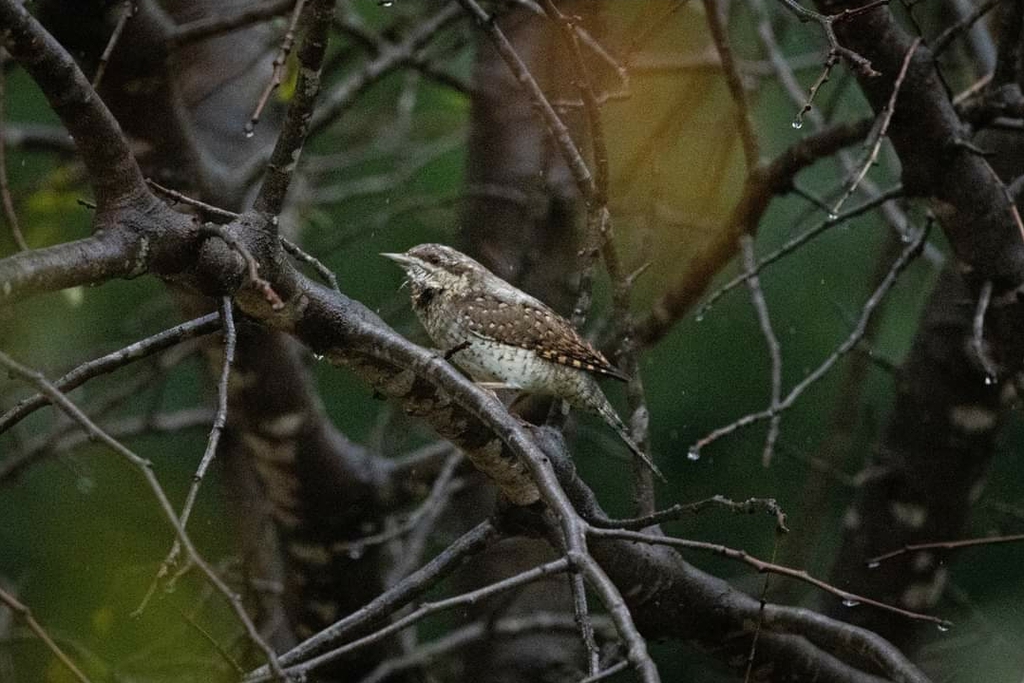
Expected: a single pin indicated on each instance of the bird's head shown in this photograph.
(437, 267)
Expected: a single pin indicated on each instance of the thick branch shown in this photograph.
(316, 20)
(973, 209)
(89, 261)
(114, 175)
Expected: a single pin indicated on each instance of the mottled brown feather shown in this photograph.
(533, 326)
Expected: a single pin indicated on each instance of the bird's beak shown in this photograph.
(403, 260)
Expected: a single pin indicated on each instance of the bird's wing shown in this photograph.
(511, 317)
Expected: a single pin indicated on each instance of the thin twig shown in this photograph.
(799, 241)
(6, 203)
(584, 622)
(761, 566)
(783, 69)
(424, 610)
(145, 468)
(218, 25)
(25, 614)
(762, 602)
(215, 211)
(113, 361)
(905, 258)
(771, 341)
(277, 69)
(680, 510)
(391, 56)
(316, 264)
(945, 39)
(884, 118)
(860, 64)
(219, 420)
(252, 265)
(210, 209)
(812, 92)
(424, 519)
(214, 643)
(873, 562)
(128, 10)
(574, 159)
(463, 637)
(65, 441)
(715, 10)
(618, 667)
(978, 338)
(406, 590)
(599, 240)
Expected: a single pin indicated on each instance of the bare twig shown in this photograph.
(761, 566)
(901, 263)
(423, 611)
(812, 92)
(978, 338)
(6, 203)
(210, 209)
(214, 643)
(760, 617)
(219, 420)
(771, 341)
(25, 614)
(215, 211)
(145, 468)
(128, 10)
(406, 590)
(584, 622)
(884, 118)
(943, 545)
(252, 265)
(113, 361)
(316, 264)
(784, 72)
(460, 638)
(797, 242)
(216, 25)
(424, 519)
(391, 56)
(574, 159)
(276, 69)
(949, 34)
(717, 21)
(65, 441)
(680, 510)
(827, 22)
(607, 673)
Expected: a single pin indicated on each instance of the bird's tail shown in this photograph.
(605, 410)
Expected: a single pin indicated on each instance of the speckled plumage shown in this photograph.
(499, 334)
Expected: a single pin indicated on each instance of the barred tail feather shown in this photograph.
(605, 410)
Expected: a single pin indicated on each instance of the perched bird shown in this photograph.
(504, 338)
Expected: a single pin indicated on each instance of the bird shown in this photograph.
(503, 338)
